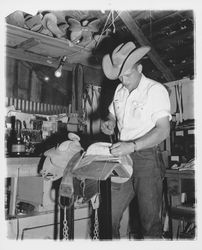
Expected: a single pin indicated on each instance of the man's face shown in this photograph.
(128, 77)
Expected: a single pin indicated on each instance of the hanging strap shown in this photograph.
(179, 103)
(66, 189)
(77, 88)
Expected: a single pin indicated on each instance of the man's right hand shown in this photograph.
(107, 127)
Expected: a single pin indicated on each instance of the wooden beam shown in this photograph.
(140, 37)
(63, 44)
(34, 58)
(27, 38)
(29, 43)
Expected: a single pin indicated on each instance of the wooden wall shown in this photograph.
(26, 81)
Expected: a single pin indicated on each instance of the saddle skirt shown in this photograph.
(72, 187)
(99, 164)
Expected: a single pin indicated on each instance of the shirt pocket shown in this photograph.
(137, 111)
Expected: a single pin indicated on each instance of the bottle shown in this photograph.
(18, 146)
(10, 133)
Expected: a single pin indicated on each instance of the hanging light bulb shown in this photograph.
(58, 71)
(46, 78)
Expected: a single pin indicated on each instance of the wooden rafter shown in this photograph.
(140, 37)
(34, 58)
(27, 44)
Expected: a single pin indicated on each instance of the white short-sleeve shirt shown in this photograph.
(138, 111)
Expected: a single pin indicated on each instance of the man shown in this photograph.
(141, 110)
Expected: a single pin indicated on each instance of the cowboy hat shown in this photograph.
(123, 58)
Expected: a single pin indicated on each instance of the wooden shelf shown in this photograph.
(184, 174)
(36, 213)
(24, 44)
(183, 213)
(22, 166)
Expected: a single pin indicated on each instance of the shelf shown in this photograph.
(191, 127)
(24, 44)
(21, 216)
(22, 166)
(185, 174)
(183, 213)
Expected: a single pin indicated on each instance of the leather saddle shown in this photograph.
(73, 187)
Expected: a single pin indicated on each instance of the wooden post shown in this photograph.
(104, 211)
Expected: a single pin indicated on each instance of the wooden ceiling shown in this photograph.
(169, 33)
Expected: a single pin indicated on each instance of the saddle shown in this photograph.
(59, 164)
(73, 187)
(81, 171)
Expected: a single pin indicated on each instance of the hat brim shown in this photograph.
(112, 72)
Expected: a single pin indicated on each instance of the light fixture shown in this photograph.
(46, 78)
(58, 71)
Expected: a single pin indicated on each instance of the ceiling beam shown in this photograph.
(34, 58)
(27, 44)
(140, 37)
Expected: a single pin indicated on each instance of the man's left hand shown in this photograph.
(122, 148)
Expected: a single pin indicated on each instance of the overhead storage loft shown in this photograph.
(38, 48)
(169, 33)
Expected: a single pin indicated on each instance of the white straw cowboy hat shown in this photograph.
(123, 57)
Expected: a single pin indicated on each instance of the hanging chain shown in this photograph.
(95, 204)
(96, 226)
(65, 226)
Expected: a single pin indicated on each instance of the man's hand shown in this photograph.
(107, 127)
(122, 148)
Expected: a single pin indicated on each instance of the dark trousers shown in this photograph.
(146, 185)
